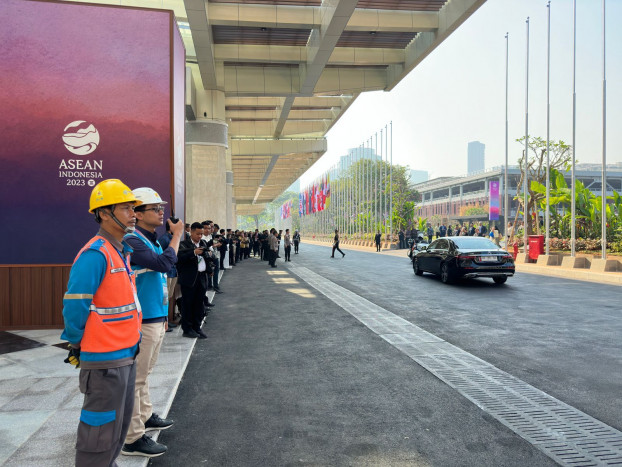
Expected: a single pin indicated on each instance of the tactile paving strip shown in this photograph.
(565, 434)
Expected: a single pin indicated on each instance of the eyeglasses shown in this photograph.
(154, 209)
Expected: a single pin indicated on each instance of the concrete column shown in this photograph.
(231, 216)
(206, 171)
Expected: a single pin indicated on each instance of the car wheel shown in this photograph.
(418, 272)
(447, 275)
(500, 280)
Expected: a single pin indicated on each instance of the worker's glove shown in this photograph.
(74, 357)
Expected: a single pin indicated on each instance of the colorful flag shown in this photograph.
(327, 191)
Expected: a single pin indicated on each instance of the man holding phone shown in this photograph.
(150, 262)
(193, 268)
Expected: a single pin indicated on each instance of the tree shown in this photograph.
(265, 220)
(560, 157)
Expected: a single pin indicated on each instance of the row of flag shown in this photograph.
(286, 210)
(315, 198)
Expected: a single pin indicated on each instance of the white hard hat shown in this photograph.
(148, 196)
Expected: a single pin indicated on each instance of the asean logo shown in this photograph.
(81, 138)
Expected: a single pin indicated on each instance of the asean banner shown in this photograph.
(493, 210)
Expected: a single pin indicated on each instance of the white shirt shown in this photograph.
(202, 266)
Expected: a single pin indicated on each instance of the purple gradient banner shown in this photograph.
(85, 93)
(179, 121)
(493, 211)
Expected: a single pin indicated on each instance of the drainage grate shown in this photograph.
(565, 434)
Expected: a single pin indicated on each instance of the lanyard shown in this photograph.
(127, 268)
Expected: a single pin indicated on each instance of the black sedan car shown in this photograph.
(456, 257)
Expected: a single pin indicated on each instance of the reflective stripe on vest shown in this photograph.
(116, 295)
(151, 285)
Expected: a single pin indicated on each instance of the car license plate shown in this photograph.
(487, 259)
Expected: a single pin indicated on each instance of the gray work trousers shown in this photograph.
(106, 415)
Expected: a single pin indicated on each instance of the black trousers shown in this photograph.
(288, 253)
(212, 281)
(336, 247)
(295, 247)
(192, 309)
(272, 257)
(377, 246)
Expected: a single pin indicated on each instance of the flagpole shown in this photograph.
(573, 193)
(376, 184)
(369, 186)
(506, 207)
(604, 175)
(526, 158)
(391, 185)
(359, 190)
(386, 155)
(547, 214)
(381, 194)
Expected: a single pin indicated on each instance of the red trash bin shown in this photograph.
(536, 246)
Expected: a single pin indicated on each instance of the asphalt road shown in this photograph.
(287, 377)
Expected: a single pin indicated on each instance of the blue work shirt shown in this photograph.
(146, 257)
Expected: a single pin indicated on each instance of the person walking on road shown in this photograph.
(377, 241)
(336, 245)
(102, 317)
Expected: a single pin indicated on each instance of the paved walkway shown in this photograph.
(40, 401)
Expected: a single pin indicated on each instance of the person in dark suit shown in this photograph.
(193, 267)
(336, 245)
(377, 241)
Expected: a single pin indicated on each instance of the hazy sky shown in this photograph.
(457, 94)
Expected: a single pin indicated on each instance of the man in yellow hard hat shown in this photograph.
(102, 324)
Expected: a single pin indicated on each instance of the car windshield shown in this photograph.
(473, 243)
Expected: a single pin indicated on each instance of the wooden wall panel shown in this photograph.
(31, 297)
(4, 297)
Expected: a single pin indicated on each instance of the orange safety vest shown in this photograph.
(115, 315)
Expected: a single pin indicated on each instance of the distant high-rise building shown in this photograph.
(295, 186)
(475, 162)
(418, 176)
(354, 155)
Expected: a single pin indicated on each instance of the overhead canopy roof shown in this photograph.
(290, 68)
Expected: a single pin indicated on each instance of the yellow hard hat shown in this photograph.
(111, 191)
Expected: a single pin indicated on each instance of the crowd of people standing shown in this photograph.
(441, 230)
(123, 293)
